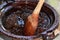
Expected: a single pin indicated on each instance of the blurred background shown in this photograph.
(53, 3)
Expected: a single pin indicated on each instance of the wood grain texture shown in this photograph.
(31, 22)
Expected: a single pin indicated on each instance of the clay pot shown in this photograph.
(52, 21)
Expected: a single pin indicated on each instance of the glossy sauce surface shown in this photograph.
(15, 21)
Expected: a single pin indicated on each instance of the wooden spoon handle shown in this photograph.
(38, 7)
(32, 20)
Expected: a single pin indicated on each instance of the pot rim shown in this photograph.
(45, 32)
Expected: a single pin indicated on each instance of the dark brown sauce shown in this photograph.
(15, 21)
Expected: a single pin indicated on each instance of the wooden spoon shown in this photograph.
(32, 20)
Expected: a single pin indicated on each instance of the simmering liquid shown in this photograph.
(14, 22)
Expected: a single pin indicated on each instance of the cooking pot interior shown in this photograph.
(13, 19)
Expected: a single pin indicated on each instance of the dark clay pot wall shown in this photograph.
(50, 11)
